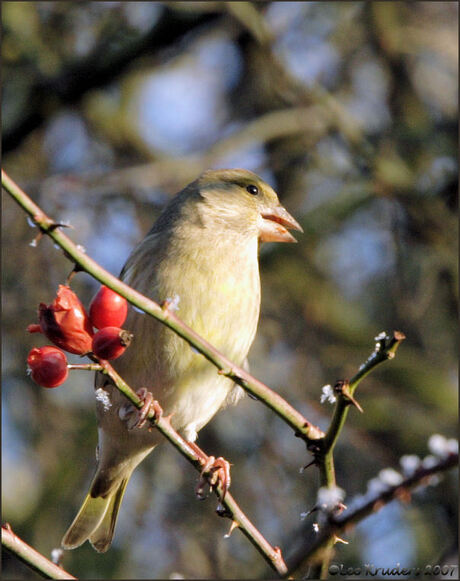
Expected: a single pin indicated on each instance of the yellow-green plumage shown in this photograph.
(202, 250)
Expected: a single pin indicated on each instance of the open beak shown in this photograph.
(274, 224)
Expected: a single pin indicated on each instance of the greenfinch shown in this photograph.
(201, 254)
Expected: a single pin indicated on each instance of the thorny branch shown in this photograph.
(32, 557)
(337, 524)
(303, 428)
(320, 444)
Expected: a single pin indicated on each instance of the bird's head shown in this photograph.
(241, 201)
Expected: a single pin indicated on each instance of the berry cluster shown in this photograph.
(66, 323)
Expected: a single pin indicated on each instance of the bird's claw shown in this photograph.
(137, 417)
(215, 472)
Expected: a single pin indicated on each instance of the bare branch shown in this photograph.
(308, 551)
(302, 427)
(31, 557)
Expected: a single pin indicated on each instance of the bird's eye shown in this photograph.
(253, 190)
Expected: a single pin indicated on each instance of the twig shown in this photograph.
(228, 506)
(302, 427)
(320, 444)
(337, 525)
(231, 509)
(385, 349)
(32, 557)
(85, 366)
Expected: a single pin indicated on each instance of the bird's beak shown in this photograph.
(273, 225)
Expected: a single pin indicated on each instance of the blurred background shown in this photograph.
(349, 110)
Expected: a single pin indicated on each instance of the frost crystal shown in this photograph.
(173, 302)
(31, 222)
(329, 498)
(429, 461)
(410, 463)
(138, 310)
(375, 486)
(382, 335)
(390, 477)
(327, 394)
(56, 555)
(439, 446)
(452, 446)
(303, 515)
(103, 397)
(33, 243)
(316, 527)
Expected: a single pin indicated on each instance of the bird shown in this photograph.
(201, 253)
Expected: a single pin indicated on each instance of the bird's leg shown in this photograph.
(214, 471)
(137, 417)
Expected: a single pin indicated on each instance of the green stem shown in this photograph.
(336, 526)
(385, 349)
(32, 557)
(271, 399)
(85, 366)
(272, 555)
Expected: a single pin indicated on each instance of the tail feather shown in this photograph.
(102, 536)
(96, 520)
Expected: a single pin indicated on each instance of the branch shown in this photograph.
(107, 61)
(31, 557)
(263, 129)
(336, 525)
(228, 507)
(302, 427)
(320, 444)
(385, 349)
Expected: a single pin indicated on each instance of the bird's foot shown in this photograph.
(215, 472)
(137, 417)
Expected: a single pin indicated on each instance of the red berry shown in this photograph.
(48, 366)
(108, 309)
(65, 322)
(111, 342)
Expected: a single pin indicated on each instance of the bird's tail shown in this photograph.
(96, 518)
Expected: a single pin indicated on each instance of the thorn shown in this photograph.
(278, 556)
(72, 273)
(354, 402)
(342, 387)
(398, 336)
(171, 303)
(168, 418)
(227, 372)
(339, 540)
(313, 462)
(55, 225)
(36, 240)
(233, 526)
(311, 511)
